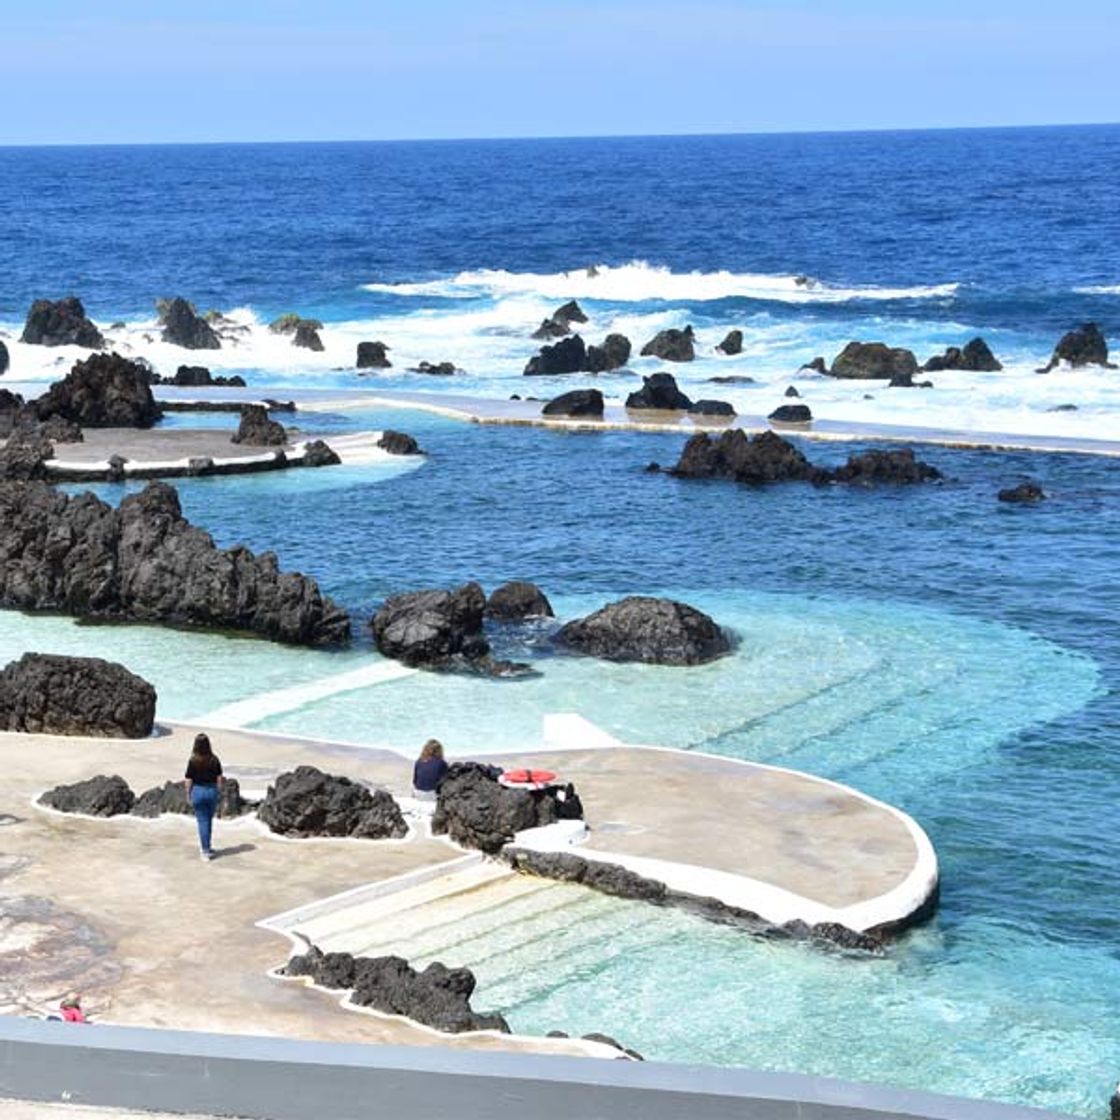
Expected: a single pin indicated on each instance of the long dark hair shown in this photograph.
(202, 751)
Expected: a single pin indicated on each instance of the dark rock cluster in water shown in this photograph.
(578, 402)
(1083, 346)
(1025, 492)
(573, 355)
(732, 343)
(144, 562)
(306, 802)
(475, 810)
(659, 391)
(791, 414)
(398, 443)
(104, 391)
(258, 429)
(873, 361)
(438, 997)
(672, 345)
(645, 629)
(199, 377)
(183, 326)
(767, 458)
(51, 694)
(439, 629)
(559, 323)
(516, 601)
(372, 355)
(60, 322)
(975, 357)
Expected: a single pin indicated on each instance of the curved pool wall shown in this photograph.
(950, 655)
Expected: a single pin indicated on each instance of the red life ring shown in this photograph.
(528, 777)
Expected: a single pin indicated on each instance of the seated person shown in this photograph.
(71, 1009)
(428, 771)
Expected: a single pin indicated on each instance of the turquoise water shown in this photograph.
(956, 657)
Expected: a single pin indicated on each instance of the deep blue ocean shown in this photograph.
(957, 657)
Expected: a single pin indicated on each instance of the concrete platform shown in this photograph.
(125, 912)
(179, 452)
(485, 410)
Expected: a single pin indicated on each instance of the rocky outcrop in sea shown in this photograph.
(767, 458)
(645, 629)
(144, 562)
(873, 361)
(516, 601)
(578, 402)
(672, 345)
(60, 322)
(1083, 346)
(372, 355)
(659, 391)
(975, 357)
(613, 354)
(49, 694)
(183, 326)
(732, 343)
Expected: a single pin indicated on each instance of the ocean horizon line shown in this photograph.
(564, 137)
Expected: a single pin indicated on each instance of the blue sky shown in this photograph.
(120, 72)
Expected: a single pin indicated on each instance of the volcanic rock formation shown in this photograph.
(60, 323)
(49, 694)
(653, 631)
(103, 391)
(307, 803)
(183, 326)
(143, 562)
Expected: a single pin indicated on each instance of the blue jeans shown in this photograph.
(204, 799)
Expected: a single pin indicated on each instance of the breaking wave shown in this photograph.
(641, 281)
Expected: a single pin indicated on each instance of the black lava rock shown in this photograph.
(438, 997)
(671, 345)
(398, 443)
(307, 338)
(320, 454)
(711, 408)
(1083, 346)
(143, 562)
(104, 391)
(257, 429)
(54, 695)
(60, 323)
(192, 377)
(25, 454)
(976, 357)
(612, 355)
(171, 797)
(475, 810)
(764, 458)
(102, 796)
(435, 369)
(791, 414)
(518, 600)
(570, 312)
(898, 466)
(372, 355)
(438, 630)
(817, 365)
(791, 391)
(5, 358)
(649, 630)
(182, 326)
(569, 355)
(732, 343)
(1025, 492)
(659, 390)
(873, 361)
(307, 803)
(579, 402)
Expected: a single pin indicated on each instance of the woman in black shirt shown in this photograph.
(203, 781)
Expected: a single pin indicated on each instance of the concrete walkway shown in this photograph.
(125, 912)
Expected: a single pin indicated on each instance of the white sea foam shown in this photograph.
(1099, 290)
(640, 281)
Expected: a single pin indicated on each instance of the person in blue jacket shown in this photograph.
(428, 771)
